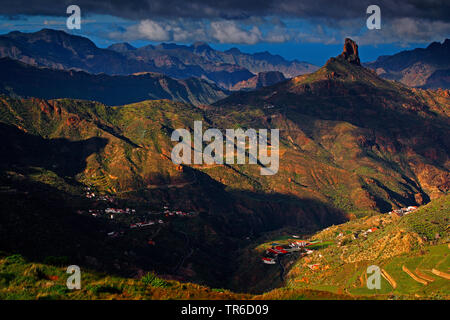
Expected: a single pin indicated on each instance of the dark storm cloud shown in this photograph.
(437, 10)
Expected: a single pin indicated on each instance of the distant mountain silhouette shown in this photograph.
(201, 54)
(60, 50)
(419, 67)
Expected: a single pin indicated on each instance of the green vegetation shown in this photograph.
(152, 280)
(396, 242)
(432, 221)
(352, 145)
(20, 279)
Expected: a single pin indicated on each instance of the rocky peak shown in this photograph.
(267, 78)
(350, 52)
(262, 79)
(121, 47)
(201, 46)
(233, 50)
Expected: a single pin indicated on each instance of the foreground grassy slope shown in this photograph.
(20, 279)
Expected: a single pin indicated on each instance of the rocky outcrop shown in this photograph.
(350, 52)
(262, 79)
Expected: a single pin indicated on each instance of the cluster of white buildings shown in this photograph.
(180, 213)
(115, 234)
(91, 212)
(118, 210)
(106, 198)
(108, 211)
(364, 233)
(403, 211)
(144, 224)
(91, 195)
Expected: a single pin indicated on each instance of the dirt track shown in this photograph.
(441, 274)
(424, 276)
(389, 278)
(363, 279)
(412, 275)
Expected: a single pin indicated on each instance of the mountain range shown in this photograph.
(22, 80)
(351, 145)
(203, 55)
(60, 50)
(422, 67)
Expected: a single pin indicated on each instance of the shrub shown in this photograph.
(36, 272)
(6, 278)
(59, 289)
(96, 289)
(152, 280)
(15, 259)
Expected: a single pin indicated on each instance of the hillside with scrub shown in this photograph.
(353, 147)
(412, 252)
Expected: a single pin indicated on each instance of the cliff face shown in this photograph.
(350, 52)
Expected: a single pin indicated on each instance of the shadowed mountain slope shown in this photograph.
(21, 80)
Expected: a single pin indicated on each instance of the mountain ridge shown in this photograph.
(20, 79)
(60, 50)
(415, 67)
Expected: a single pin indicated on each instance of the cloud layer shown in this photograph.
(235, 9)
(217, 31)
(254, 21)
(186, 30)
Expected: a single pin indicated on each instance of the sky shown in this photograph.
(310, 30)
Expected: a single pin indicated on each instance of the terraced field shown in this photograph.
(401, 246)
